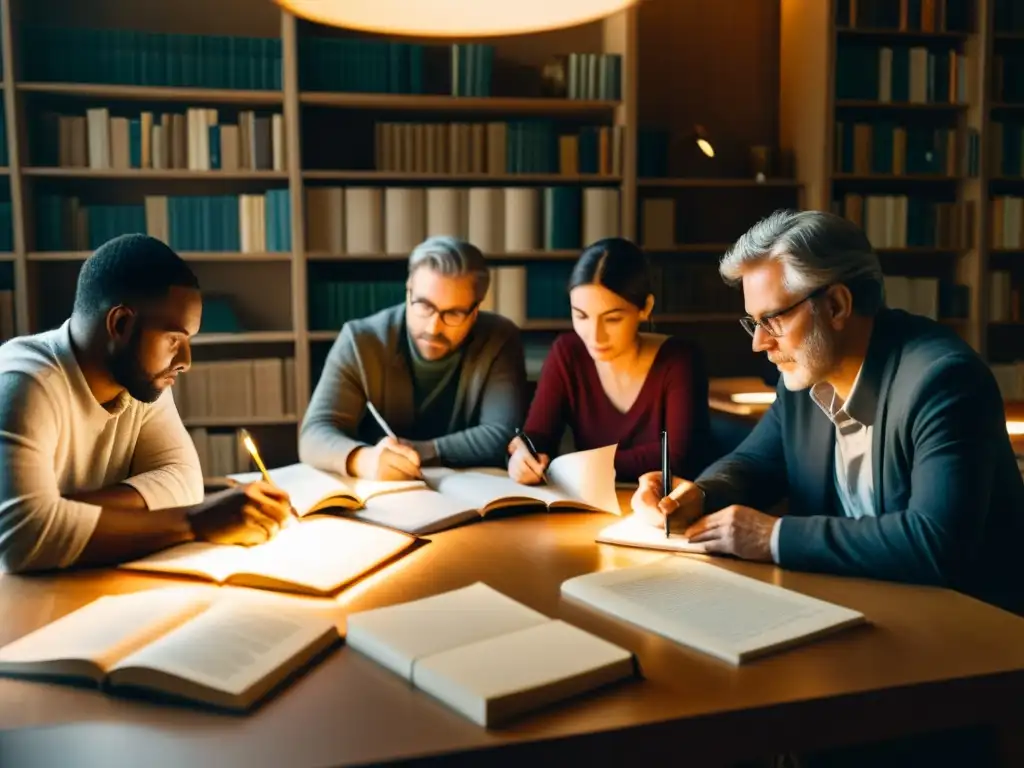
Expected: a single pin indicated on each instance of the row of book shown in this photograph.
(135, 57)
(591, 76)
(1006, 148)
(195, 140)
(886, 147)
(927, 296)
(393, 220)
(220, 452)
(1004, 301)
(1007, 71)
(900, 74)
(362, 65)
(1006, 213)
(237, 389)
(249, 223)
(535, 146)
(906, 15)
(900, 221)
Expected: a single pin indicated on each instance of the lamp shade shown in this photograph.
(453, 18)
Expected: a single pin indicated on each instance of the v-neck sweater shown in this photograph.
(673, 397)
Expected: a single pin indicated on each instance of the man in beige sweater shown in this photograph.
(96, 466)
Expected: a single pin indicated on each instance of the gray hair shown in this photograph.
(452, 257)
(815, 249)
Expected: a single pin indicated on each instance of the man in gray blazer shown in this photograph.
(448, 379)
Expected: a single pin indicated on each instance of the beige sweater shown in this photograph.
(56, 439)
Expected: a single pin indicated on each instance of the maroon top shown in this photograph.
(674, 396)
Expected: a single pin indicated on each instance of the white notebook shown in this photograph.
(485, 655)
(224, 650)
(710, 609)
(635, 532)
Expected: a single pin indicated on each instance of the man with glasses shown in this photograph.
(447, 379)
(896, 462)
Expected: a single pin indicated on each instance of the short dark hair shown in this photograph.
(129, 269)
(617, 264)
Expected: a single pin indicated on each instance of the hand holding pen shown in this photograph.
(526, 465)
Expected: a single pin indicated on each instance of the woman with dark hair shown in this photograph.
(609, 382)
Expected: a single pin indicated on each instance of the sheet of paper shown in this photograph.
(417, 511)
(588, 476)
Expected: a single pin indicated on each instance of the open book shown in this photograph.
(316, 555)
(708, 608)
(633, 531)
(226, 651)
(583, 481)
(485, 655)
(312, 490)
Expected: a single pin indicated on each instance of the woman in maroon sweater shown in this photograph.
(611, 383)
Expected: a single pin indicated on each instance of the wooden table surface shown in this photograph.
(931, 658)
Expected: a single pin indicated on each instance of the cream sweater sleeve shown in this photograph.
(165, 466)
(39, 530)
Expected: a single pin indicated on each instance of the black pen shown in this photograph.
(529, 446)
(666, 473)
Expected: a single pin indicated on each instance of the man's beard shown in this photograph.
(813, 361)
(124, 366)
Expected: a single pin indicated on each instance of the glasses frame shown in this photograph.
(750, 325)
(463, 314)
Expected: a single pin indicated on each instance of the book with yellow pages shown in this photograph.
(197, 644)
(584, 480)
(317, 555)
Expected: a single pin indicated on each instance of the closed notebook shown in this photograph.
(710, 609)
(317, 555)
(485, 655)
(579, 481)
(227, 651)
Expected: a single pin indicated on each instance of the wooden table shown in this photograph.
(931, 659)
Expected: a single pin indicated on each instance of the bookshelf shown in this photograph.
(877, 102)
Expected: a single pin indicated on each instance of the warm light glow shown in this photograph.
(705, 147)
(753, 398)
(250, 446)
(1015, 427)
(453, 18)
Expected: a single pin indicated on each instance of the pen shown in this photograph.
(666, 473)
(250, 446)
(529, 446)
(380, 420)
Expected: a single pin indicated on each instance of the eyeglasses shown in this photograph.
(453, 318)
(772, 322)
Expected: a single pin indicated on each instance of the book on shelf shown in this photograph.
(485, 655)
(317, 555)
(228, 651)
(710, 609)
(581, 481)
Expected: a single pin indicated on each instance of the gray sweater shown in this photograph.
(367, 362)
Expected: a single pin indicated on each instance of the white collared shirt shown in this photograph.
(853, 478)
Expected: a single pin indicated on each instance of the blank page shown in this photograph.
(587, 476)
(709, 608)
(495, 679)
(397, 635)
(419, 512)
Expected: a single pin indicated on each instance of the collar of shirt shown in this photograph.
(857, 409)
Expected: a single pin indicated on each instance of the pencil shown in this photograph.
(250, 446)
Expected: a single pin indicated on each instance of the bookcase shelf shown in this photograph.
(355, 258)
(166, 174)
(477, 178)
(480, 105)
(154, 93)
(965, 78)
(244, 337)
(197, 256)
(717, 183)
(251, 421)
